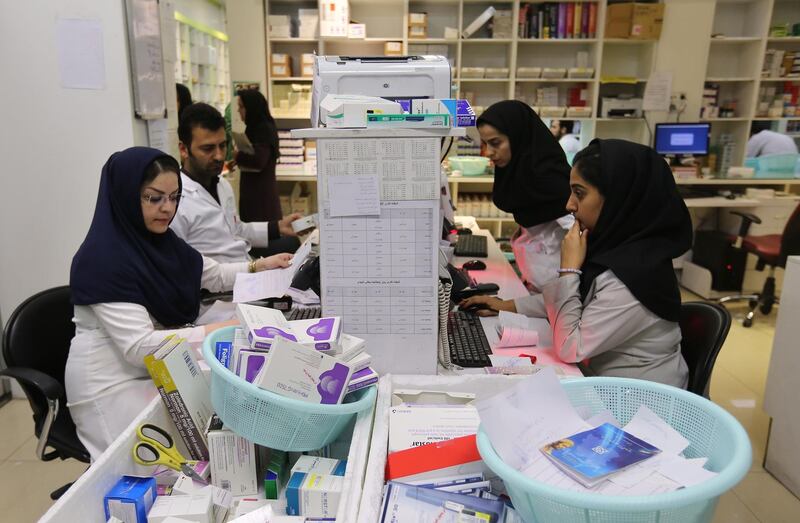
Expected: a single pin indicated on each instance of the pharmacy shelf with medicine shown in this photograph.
(202, 63)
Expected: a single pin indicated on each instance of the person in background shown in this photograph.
(207, 219)
(184, 98)
(134, 282)
(562, 130)
(531, 181)
(763, 141)
(614, 308)
(258, 187)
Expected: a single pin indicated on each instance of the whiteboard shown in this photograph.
(147, 62)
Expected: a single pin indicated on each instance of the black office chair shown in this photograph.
(771, 251)
(704, 327)
(36, 342)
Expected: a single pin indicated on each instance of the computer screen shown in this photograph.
(682, 138)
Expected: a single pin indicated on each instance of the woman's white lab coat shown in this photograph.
(106, 381)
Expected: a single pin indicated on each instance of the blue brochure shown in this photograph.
(403, 502)
(591, 456)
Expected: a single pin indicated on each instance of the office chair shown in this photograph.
(704, 327)
(36, 342)
(771, 250)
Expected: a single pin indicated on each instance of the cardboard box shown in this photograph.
(393, 48)
(280, 71)
(130, 499)
(633, 20)
(281, 59)
(307, 70)
(233, 460)
(417, 31)
(307, 58)
(417, 19)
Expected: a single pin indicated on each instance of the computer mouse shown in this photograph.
(463, 230)
(474, 265)
(475, 307)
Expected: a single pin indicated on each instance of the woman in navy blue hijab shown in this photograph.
(134, 282)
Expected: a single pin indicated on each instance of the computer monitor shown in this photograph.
(682, 138)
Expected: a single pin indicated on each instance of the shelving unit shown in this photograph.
(202, 63)
(737, 38)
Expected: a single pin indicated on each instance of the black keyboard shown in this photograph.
(468, 344)
(304, 313)
(472, 245)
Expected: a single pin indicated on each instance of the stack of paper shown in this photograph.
(519, 426)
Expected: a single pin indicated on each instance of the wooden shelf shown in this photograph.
(734, 119)
(292, 79)
(784, 39)
(555, 80)
(729, 79)
(774, 79)
(739, 181)
(735, 39)
(775, 119)
(412, 41)
(483, 80)
(628, 41)
(293, 40)
(557, 41)
(615, 120)
(486, 40)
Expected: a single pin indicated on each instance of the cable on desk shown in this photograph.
(444, 309)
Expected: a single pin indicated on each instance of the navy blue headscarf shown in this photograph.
(121, 261)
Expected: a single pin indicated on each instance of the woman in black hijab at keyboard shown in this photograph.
(614, 308)
(532, 182)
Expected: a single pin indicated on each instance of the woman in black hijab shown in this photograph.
(615, 306)
(258, 187)
(532, 182)
(133, 283)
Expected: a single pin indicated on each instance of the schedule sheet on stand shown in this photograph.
(379, 271)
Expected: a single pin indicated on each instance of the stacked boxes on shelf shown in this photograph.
(714, 106)
(280, 26)
(780, 63)
(308, 23)
(280, 65)
(634, 20)
(558, 20)
(417, 25)
(502, 24)
(779, 100)
(479, 205)
(292, 154)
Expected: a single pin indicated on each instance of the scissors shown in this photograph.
(156, 447)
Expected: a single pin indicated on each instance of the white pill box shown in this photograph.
(296, 371)
(304, 223)
(262, 325)
(322, 334)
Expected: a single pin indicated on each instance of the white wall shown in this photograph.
(247, 49)
(55, 141)
(203, 11)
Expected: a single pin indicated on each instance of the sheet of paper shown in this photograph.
(272, 283)
(219, 311)
(686, 472)
(509, 361)
(525, 417)
(658, 91)
(81, 62)
(648, 426)
(306, 297)
(516, 337)
(259, 515)
(512, 319)
(604, 416)
(242, 143)
(358, 195)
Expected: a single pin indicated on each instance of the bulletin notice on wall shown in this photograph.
(379, 270)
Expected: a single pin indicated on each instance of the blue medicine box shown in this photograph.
(130, 499)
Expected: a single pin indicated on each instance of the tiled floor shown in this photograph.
(737, 385)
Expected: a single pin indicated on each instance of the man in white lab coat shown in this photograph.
(207, 218)
(764, 141)
(562, 130)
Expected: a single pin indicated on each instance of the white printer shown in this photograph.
(390, 77)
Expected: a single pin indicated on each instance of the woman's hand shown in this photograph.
(273, 262)
(487, 305)
(285, 224)
(573, 247)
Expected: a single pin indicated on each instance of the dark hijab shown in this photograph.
(534, 186)
(643, 225)
(121, 261)
(259, 124)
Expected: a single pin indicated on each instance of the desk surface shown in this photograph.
(499, 271)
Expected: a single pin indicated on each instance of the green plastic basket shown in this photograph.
(775, 166)
(711, 431)
(275, 421)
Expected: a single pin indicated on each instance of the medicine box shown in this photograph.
(634, 20)
(130, 499)
(321, 334)
(296, 371)
(195, 507)
(320, 465)
(262, 325)
(313, 495)
(233, 460)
